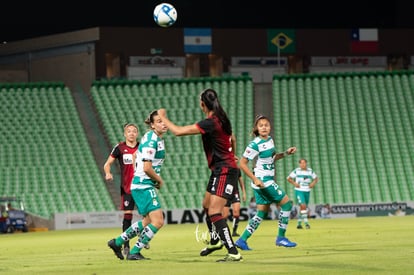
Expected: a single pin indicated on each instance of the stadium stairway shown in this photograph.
(45, 156)
(94, 133)
(185, 170)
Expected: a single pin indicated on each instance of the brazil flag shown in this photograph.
(284, 39)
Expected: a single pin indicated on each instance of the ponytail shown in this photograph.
(210, 99)
(150, 119)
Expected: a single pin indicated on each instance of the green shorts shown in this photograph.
(302, 197)
(271, 194)
(146, 200)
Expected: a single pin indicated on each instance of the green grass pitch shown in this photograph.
(368, 245)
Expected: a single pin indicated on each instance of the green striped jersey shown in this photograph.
(151, 148)
(303, 177)
(263, 150)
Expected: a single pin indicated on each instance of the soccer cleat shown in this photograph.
(235, 234)
(136, 257)
(231, 258)
(242, 244)
(117, 249)
(299, 226)
(211, 248)
(283, 241)
(307, 226)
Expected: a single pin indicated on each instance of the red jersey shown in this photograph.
(124, 153)
(216, 143)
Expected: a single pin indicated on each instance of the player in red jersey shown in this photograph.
(123, 152)
(219, 144)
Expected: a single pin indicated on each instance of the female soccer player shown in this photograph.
(265, 189)
(123, 152)
(303, 179)
(218, 142)
(148, 161)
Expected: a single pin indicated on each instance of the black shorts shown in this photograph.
(223, 182)
(127, 202)
(235, 199)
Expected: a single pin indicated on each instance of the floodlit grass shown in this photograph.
(369, 245)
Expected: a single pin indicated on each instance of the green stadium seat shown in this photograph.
(357, 118)
(46, 112)
(180, 97)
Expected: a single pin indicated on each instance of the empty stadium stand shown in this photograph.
(356, 130)
(46, 159)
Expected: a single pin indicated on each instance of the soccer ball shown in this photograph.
(165, 15)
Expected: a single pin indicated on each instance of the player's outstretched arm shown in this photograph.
(175, 129)
(289, 151)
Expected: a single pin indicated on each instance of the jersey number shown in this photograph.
(153, 194)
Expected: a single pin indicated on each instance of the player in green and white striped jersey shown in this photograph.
(304, 179)
(266, 190)
(148, 161)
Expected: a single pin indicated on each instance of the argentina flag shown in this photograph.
(197, 40)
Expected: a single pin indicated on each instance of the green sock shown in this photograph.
(145, 237)
(130, 233)
(253, 224)
(284, 218)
